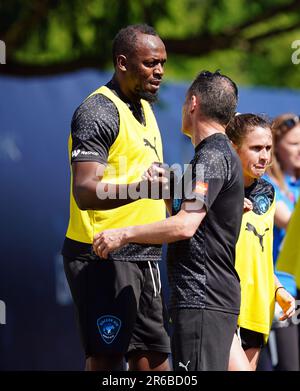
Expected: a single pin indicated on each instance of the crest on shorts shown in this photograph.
(109, 327)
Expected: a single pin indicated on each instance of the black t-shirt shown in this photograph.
(95, 126)
(201, 269)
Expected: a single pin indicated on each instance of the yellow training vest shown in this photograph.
(254, 264)
(289, 256)
(133, 151)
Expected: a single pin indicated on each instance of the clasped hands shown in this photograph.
(112, 239)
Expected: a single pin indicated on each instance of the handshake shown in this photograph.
(162, 180)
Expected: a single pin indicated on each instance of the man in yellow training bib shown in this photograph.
(114, 139)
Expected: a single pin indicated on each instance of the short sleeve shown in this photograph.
(94, 128)
(209, 174)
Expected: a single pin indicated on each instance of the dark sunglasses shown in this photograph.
(290, 122)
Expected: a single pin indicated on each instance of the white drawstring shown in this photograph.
(153, 281)
(158, 275)
(238, 333)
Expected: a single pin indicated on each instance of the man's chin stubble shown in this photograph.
(148, 96)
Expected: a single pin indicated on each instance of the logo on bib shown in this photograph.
(109, 327)
(251, 228)
(263, 203)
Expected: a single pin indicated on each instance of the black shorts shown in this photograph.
(251, 339)
(202, 339)
(117, 309)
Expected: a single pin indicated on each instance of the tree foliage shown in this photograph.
(249, 40)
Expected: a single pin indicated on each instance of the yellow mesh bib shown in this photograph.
(289, 256)
(254, 264)
(133, 151)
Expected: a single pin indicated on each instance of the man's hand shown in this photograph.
(160, 179)
(157, 173)
(286, 302)
(107, 241)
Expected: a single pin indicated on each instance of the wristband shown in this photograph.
(280, 287)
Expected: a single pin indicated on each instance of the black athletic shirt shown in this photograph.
(94, 128)
(201, 269)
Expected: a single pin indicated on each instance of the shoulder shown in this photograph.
(218, 156)
(211, 161)
(265, 184)
(262, 195)
(212, 149)
(95, 106)
(265, 187)
(95, 112)
(260, 187)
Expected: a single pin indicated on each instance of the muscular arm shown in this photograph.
(90, 193)
(179, 227)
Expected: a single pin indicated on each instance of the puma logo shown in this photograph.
(184, 366)
(148, 144)
(251, 228)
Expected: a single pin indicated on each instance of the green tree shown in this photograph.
(249, 40)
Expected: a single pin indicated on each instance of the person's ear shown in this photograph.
(194, 102)
(122, 62)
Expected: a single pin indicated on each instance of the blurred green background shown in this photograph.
(248, 40)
